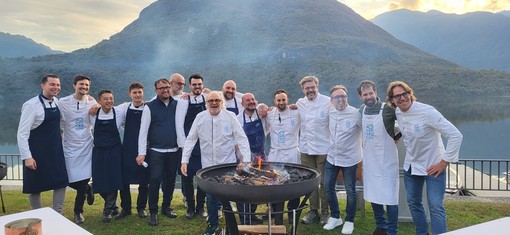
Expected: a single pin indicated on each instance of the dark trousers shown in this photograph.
(110, 202)
(291, 205)
(81, 193)
(246, 208)
(162, 165)
(141, 201)
(189, 193)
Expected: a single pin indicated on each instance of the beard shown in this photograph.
(370, 102)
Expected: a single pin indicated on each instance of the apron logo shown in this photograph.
(369, 132)
(281, 137)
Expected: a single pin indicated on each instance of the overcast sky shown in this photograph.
(69, 25)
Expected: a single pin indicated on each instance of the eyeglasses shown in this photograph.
(163, 88)
(196, 84)
(337, 97)
(397, 97)
(180, 83)
(214, 101)
(309, 88)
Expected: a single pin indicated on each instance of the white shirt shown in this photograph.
(422, 126)
(217, 135)
(124, 107)
(182, 106)
(119, 117)
(314, 134)
(232, 103)
(346, 133)
(284, 132)
(32, 115)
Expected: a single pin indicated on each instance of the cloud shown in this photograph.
(68, 25)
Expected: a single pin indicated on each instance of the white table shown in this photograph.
(493, 227)
(52, 222)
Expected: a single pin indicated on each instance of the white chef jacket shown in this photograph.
(32, 115)
(422, 126)
(124, 107)
(346, 129)
(315, 136)
(217, 135)
(284, 132)
(77, 139)
(182, 106)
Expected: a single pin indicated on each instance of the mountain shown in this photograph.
(506, 13)
(477, 40)
(20, 46)
(261, 44)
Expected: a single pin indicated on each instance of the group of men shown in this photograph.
(182, 133)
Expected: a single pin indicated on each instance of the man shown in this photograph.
(232, 97)
(284, 125)
(158, 129)
(107, 153)
(344, 155)
(217, 147)
(191, 108)
(40, 146)
(132, 172)
(255, 128)
(177, 82)
(426, 157)
(380, 158)
(314, 141)
(78, 142)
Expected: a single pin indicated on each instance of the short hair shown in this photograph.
(366, 84)
(44, 78)
(163, 80)
(280, 91)
(338, 87)
(220, 94)
(309, 79)
(195, 76)
(79, 77)
(135, 85)
(389, 91)
(102, 92)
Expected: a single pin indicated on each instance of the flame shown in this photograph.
(259, 160)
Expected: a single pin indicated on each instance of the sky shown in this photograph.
(70, 25)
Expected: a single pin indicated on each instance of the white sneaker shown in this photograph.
(348, 227)
(332, 223)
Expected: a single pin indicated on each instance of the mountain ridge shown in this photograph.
(12, 46)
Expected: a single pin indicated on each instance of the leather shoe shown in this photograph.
(169, 213)
(123, 214)
(89, 195)
(106, 218)
(190, 213)
(310, 217)
(78, 218)
(201, 212)
(379, 231)
(142, 213)
(115, 212)
(153, 220)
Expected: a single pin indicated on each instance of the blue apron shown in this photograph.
(45, 143)
(195, 161)
(255, 133)
(235, 109)
(106, 156)
(132, 173)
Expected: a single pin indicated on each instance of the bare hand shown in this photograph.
(240, 167)
(184, 169)
(206, 90)
(436, 170)
(185, 96)
(93, 109)
(263, 110)
(140, 159)
(293, 107)
(31, 164)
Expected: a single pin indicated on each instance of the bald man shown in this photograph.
(233, 98)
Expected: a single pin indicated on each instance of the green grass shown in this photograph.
(460, 215)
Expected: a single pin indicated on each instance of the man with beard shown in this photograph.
(177, 82)
(218, 131)
(232, 97)
(158, 129)
(40, 146)
(191, 108)
(78, 141)
(344, 155)
(255, 128)
(426, 157)
(314, 141)
(284, 125)
(380, 158)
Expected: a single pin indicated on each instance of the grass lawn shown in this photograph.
(460, 214)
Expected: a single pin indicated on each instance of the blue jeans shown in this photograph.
(330, 174)
(212, 209)
(391, 225)
(436, 187)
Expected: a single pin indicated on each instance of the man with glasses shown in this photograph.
(380, 158)
(177, 82)
(314, 141)
(218, 131)
(426, 157)
(344, 155)
(158, 131)
(191, 108)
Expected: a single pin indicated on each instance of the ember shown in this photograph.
(262, 174)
